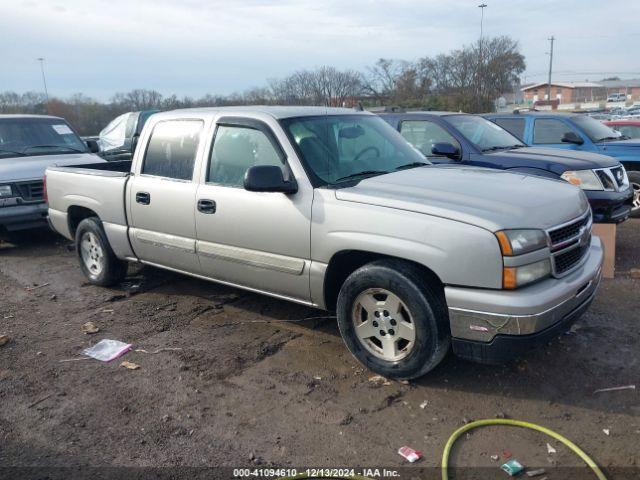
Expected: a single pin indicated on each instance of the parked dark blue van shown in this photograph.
(446, 137)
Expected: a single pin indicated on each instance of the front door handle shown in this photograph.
(207, 206)
(143, 198)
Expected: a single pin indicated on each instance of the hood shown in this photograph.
(491, 199)
(621, 148)
(556, 160)
(29, 168)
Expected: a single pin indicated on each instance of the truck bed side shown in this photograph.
(78, 192)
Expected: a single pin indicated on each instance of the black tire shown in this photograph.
(424, 299)
(634, 179)
(113, 270)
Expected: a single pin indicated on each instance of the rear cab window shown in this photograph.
(172, 148)
(515, 126)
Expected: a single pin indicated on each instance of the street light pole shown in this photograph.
(44, 81)
(482, 6)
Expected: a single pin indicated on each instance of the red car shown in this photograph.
(630, 128)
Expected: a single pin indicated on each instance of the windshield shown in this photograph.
(596, 130)
(340, 148)
(37, 136)
(483, 133)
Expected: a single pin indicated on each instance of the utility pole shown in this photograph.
(44, 81)
(550, 68)
(482, 6)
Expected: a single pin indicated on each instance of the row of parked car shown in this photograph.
(393, 221)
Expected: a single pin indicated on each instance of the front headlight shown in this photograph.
(585, 179)
(514, 277)
(5, 191)
(517, 242)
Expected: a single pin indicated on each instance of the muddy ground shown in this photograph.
(246, 387)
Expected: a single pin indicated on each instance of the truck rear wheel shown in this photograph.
(97, 260)
(634, 180)
(393, 319)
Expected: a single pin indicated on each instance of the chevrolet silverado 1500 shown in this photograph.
(333, 208)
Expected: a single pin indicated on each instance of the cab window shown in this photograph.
(424, 134)
(549, 130)
(515, 126)
(171, 152)
(235, 150)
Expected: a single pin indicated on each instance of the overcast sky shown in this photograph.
(193, 47)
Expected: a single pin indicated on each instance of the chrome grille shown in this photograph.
(31, 191)
(567, 260)
(613, 179)
(618, 175)
(569, 244)
(559, 236)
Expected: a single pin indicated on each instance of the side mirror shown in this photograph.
(445, 149)
(268, 178)
(572, 137)
(92, 145)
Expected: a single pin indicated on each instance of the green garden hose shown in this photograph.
(515, 423)
(484, 423)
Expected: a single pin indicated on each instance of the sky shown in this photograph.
(194, 47)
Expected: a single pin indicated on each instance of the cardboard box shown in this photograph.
(607, 233)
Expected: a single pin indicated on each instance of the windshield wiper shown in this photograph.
(361, 174)
(621, 137)
(25, 149)
(502, 147)
(12, 152)
(412, 165)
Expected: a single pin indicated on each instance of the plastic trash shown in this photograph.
(130, 365)
(89, 328)
(107, 350)
(410, 454)
(512, 467)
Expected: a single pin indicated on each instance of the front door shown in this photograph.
(548, 132)
(259, 240)
(162, 196)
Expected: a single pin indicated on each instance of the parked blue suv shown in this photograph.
(574, 131)
(456, 138)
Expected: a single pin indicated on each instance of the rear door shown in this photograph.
(162, 195)
(259, 240)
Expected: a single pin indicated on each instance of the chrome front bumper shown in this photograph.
(479, 315)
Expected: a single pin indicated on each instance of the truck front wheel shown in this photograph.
(393, 319)
(97, 260)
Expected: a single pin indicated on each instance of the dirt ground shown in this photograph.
(244, 387)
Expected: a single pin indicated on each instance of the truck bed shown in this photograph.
(98, 188)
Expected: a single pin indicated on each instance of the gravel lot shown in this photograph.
(244, 387)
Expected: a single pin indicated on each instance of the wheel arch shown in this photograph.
(345, 262)
(75, 214)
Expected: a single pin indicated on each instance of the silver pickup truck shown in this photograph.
(333, 208)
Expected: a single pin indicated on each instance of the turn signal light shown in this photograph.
(509, 278)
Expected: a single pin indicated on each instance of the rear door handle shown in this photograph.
(207, 206)
(143, 198)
